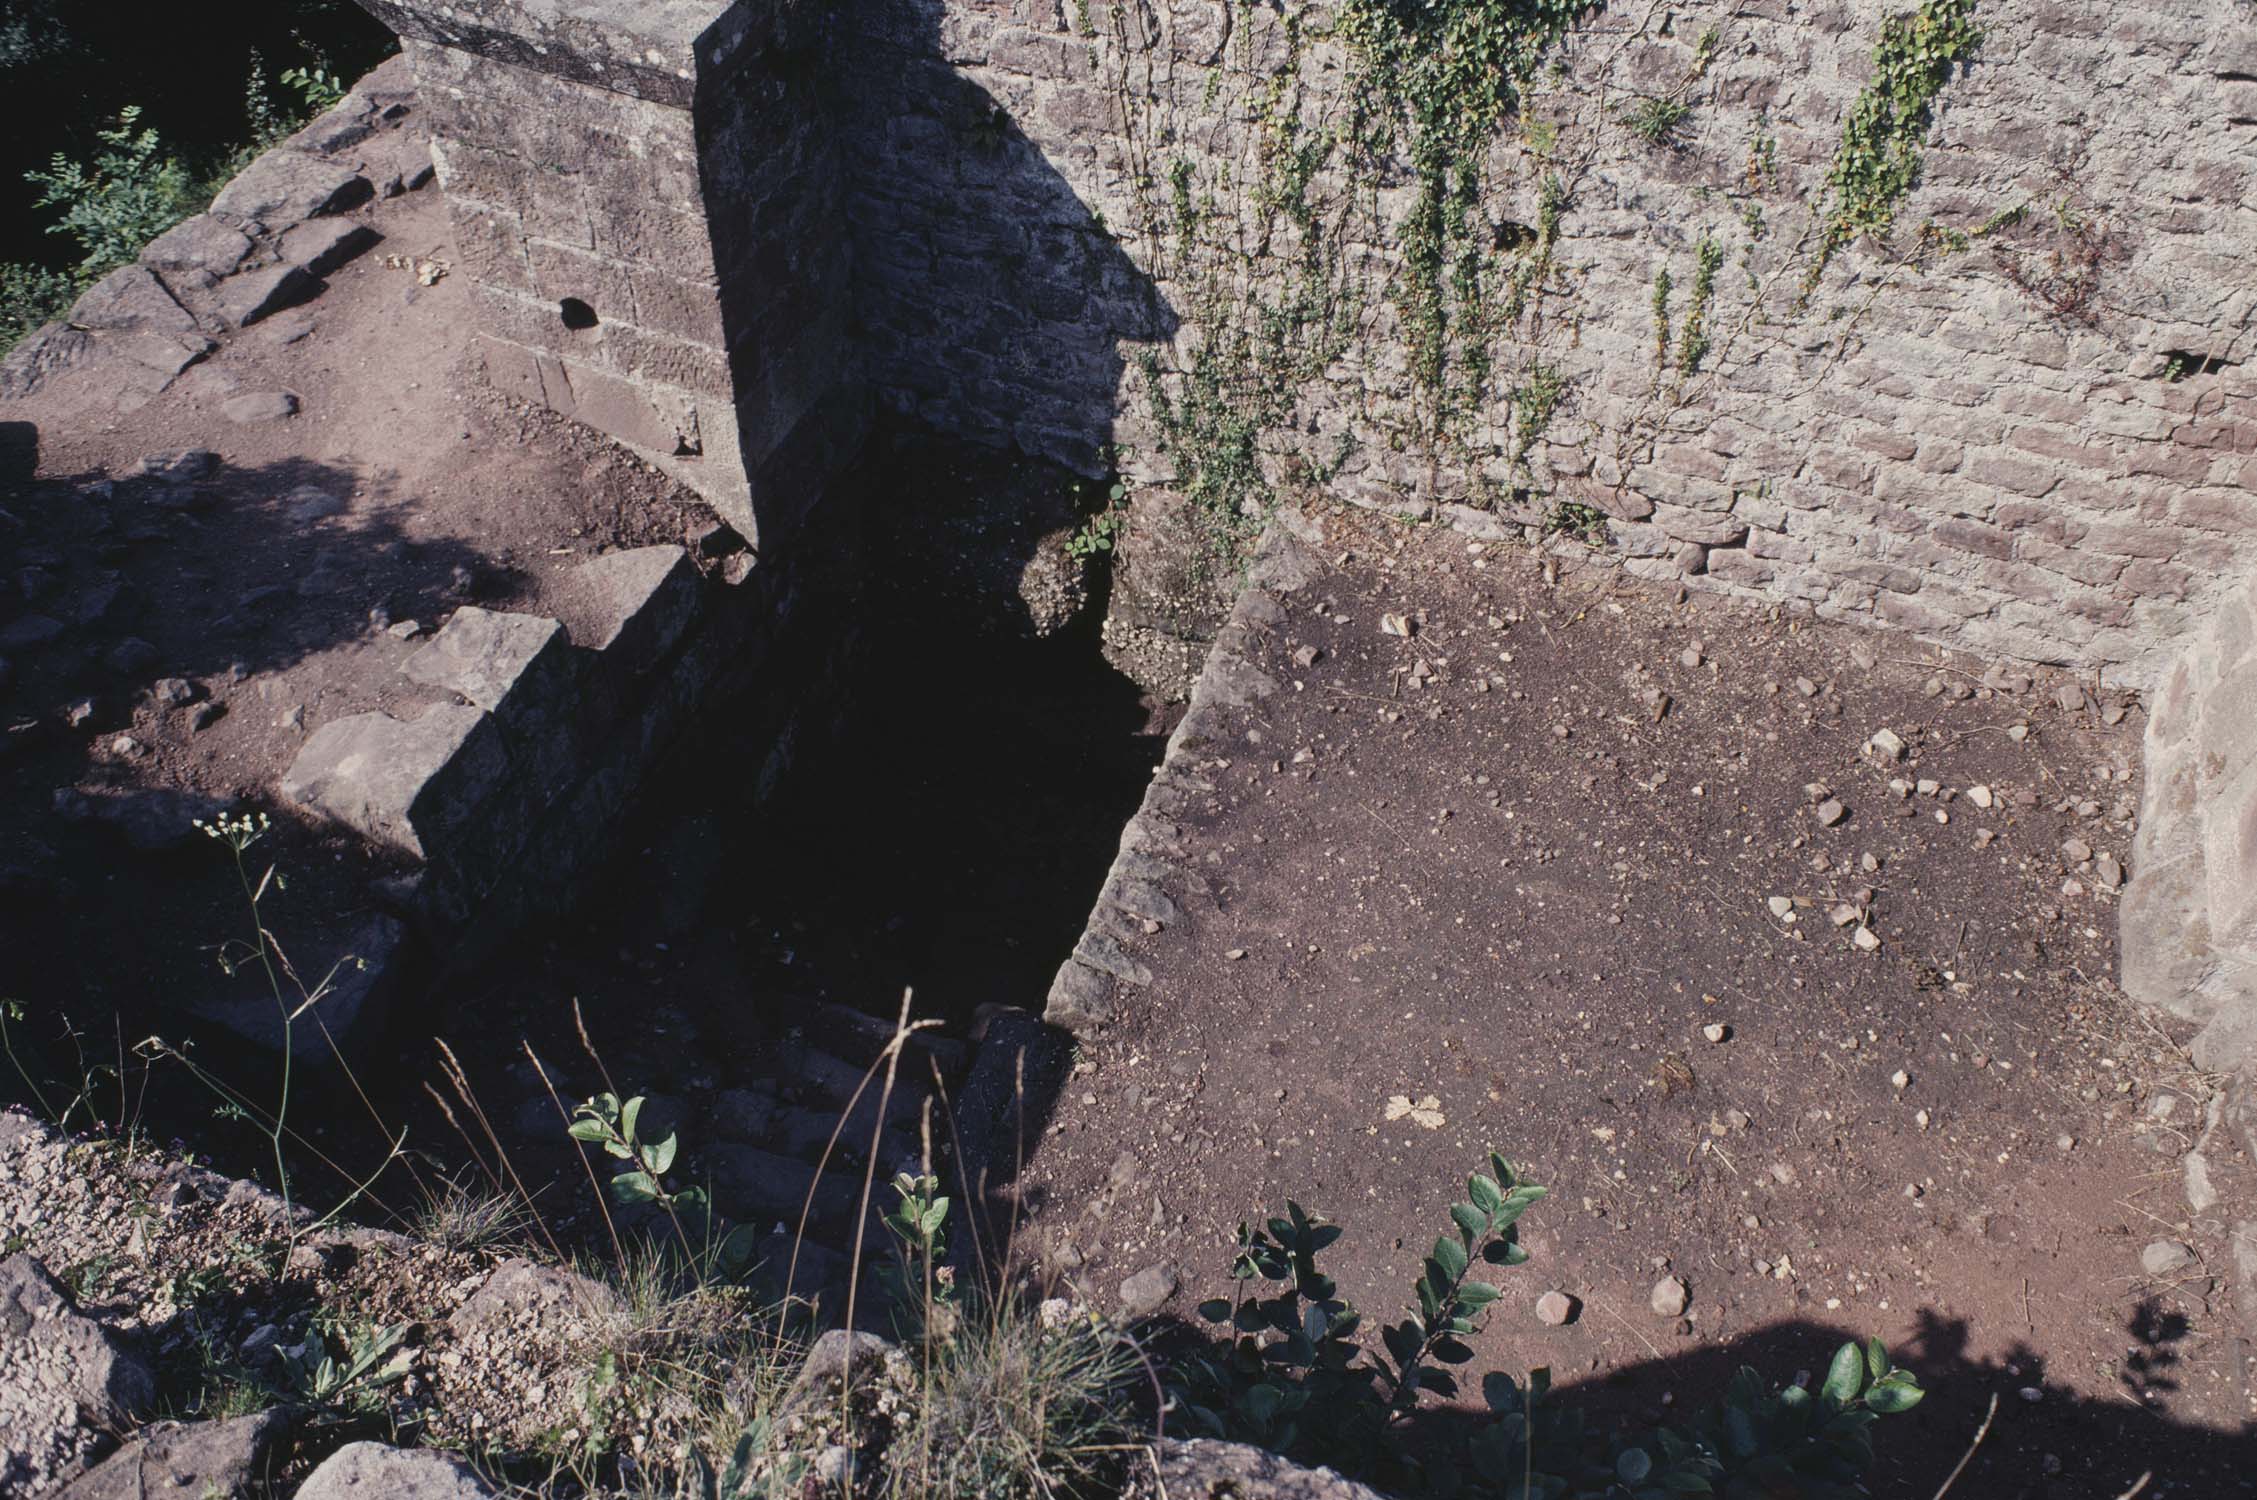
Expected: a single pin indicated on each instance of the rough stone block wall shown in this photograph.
(2190, 917)
(659, 247)
(2024, 420)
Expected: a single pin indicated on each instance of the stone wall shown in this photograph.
(2022, 421)
(2190, 917)
(650, 205)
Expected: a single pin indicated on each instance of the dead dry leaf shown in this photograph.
(1425, 1113)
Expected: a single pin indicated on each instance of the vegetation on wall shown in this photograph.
(1878, 161)
(1350, 237)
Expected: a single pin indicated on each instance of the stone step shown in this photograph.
(755, 1116)
(861, 1037)
(821, 1075)
(761, 1188)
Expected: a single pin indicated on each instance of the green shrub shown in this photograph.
(131, 191)
(1293, 1376)
(30, 297)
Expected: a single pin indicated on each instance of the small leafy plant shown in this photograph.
(1104, 528)
(1293, 1376)
(919, 1278)
(1656, 121)
(615, 1126)
(1573, 518)
(1294, 1371)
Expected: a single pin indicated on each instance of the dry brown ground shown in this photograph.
(1472, 869)
(446, 494)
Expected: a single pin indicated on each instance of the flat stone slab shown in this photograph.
(131, 299)
(633, 605)
(284, 188)
(201, 243)
(486, 655)
(405, 785)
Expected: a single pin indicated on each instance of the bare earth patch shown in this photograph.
(364, 481)
(1614, 882)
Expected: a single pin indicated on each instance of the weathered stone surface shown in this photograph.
(130, 299)
(190, 1461)
(1146, 1292)
(373, 1471)
(201, 243)
(259, 406)
(65, 1383)
(284, 188)
(1205, 1469)
(42, 356)
(487, 657)
(147, 818)
(521, 1292)
(2187, 923)
(632, 605)
(253, 296)
(410, 786)
(320, 246)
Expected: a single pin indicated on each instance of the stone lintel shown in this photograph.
(665, 51)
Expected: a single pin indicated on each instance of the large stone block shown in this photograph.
(521, 669)
(65, 1382)
(2229, 853)
(412, 786)
(632, 606)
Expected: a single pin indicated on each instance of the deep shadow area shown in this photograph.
(2045, 1441)
(945, 823)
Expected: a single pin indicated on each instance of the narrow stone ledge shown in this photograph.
(1149, 880)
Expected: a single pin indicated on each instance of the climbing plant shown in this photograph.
(1878, 160)
(1317, 190)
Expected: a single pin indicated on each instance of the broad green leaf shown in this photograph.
(1262, 1402)
(628, 1114)
(1846, 1376)
(658, 1160)
(1472, 1222)
(1486, 1195)
(1476, 1295)
(633, 1187)
(1452, 1257)
(1890, 1397)
(592, 1131)
(1876, 1358)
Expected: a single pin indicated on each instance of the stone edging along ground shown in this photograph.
(1150, 877)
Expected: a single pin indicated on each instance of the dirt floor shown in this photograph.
(215, 612)
(1607, 880)
(946, 835)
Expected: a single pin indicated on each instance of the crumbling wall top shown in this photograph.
(661, 50)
